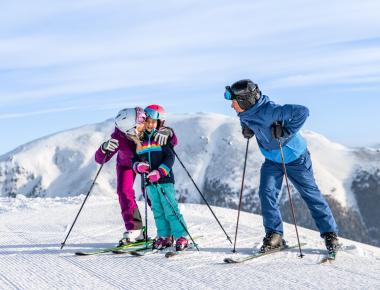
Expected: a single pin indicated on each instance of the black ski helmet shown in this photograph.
(245, 92)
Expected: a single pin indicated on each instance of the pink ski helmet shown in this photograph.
(155, 112)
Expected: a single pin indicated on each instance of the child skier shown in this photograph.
(156, 161)
(129, 123)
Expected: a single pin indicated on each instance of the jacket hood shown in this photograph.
(252, 110)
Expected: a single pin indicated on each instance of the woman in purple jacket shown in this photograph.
(129, 124)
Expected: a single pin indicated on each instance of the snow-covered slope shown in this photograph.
(211, 146)
(212, 149)
(32, 229)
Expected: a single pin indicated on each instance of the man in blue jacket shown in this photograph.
(272, 123)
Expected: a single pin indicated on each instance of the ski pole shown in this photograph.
(176, 214)
(290, 198)
(146, 211)
(241, 195)
(204, 199)
(84, 201)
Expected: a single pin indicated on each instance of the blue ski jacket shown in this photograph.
(260, 117)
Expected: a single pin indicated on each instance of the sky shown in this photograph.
(64, 64)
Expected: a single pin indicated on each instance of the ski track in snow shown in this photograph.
(30, 258)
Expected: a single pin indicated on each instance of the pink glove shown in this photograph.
(154, 176)
(141, 167)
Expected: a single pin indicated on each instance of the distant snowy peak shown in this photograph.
(334, 166)
(210, 145)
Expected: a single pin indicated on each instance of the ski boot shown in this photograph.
(331, 241)
(133, 236)
(272, 241)
(142, 235)
(162, 243)
(181, 244)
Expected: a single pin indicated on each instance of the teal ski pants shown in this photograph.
(167, 222)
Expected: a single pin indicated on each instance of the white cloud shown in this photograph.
(59, 50)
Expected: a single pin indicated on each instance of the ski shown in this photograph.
(330, 257)
(175, 253)
(108, 250)
(143, 252)
(231, 260)
(172, 254)
(143, 247)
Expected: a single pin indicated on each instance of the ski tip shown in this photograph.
(118, 252)
(170, 254)
(135, 253)
(80, 254)
(229, 261)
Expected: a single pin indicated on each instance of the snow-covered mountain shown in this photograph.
(212, 149)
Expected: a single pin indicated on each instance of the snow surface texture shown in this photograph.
(32, 230)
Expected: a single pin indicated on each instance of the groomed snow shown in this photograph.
(31, 231)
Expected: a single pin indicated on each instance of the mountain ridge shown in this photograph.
(212, 149)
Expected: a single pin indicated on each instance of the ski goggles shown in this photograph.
(153, 114)
(228, 94)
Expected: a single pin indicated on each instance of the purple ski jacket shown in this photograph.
(125, 151)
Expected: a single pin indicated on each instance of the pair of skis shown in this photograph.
(135, 249)
(139, 252)
(255, 255)
(330, 257)
(129, 247)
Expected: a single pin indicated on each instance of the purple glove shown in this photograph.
(141, 167)
(154, 176)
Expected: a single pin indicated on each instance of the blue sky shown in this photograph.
(68, 63)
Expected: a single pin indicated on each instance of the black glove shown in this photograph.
(247, 133)
(279, 131)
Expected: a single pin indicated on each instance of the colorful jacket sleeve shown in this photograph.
(292, 116)
(167, 162)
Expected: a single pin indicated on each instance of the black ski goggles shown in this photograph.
(230, 95)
